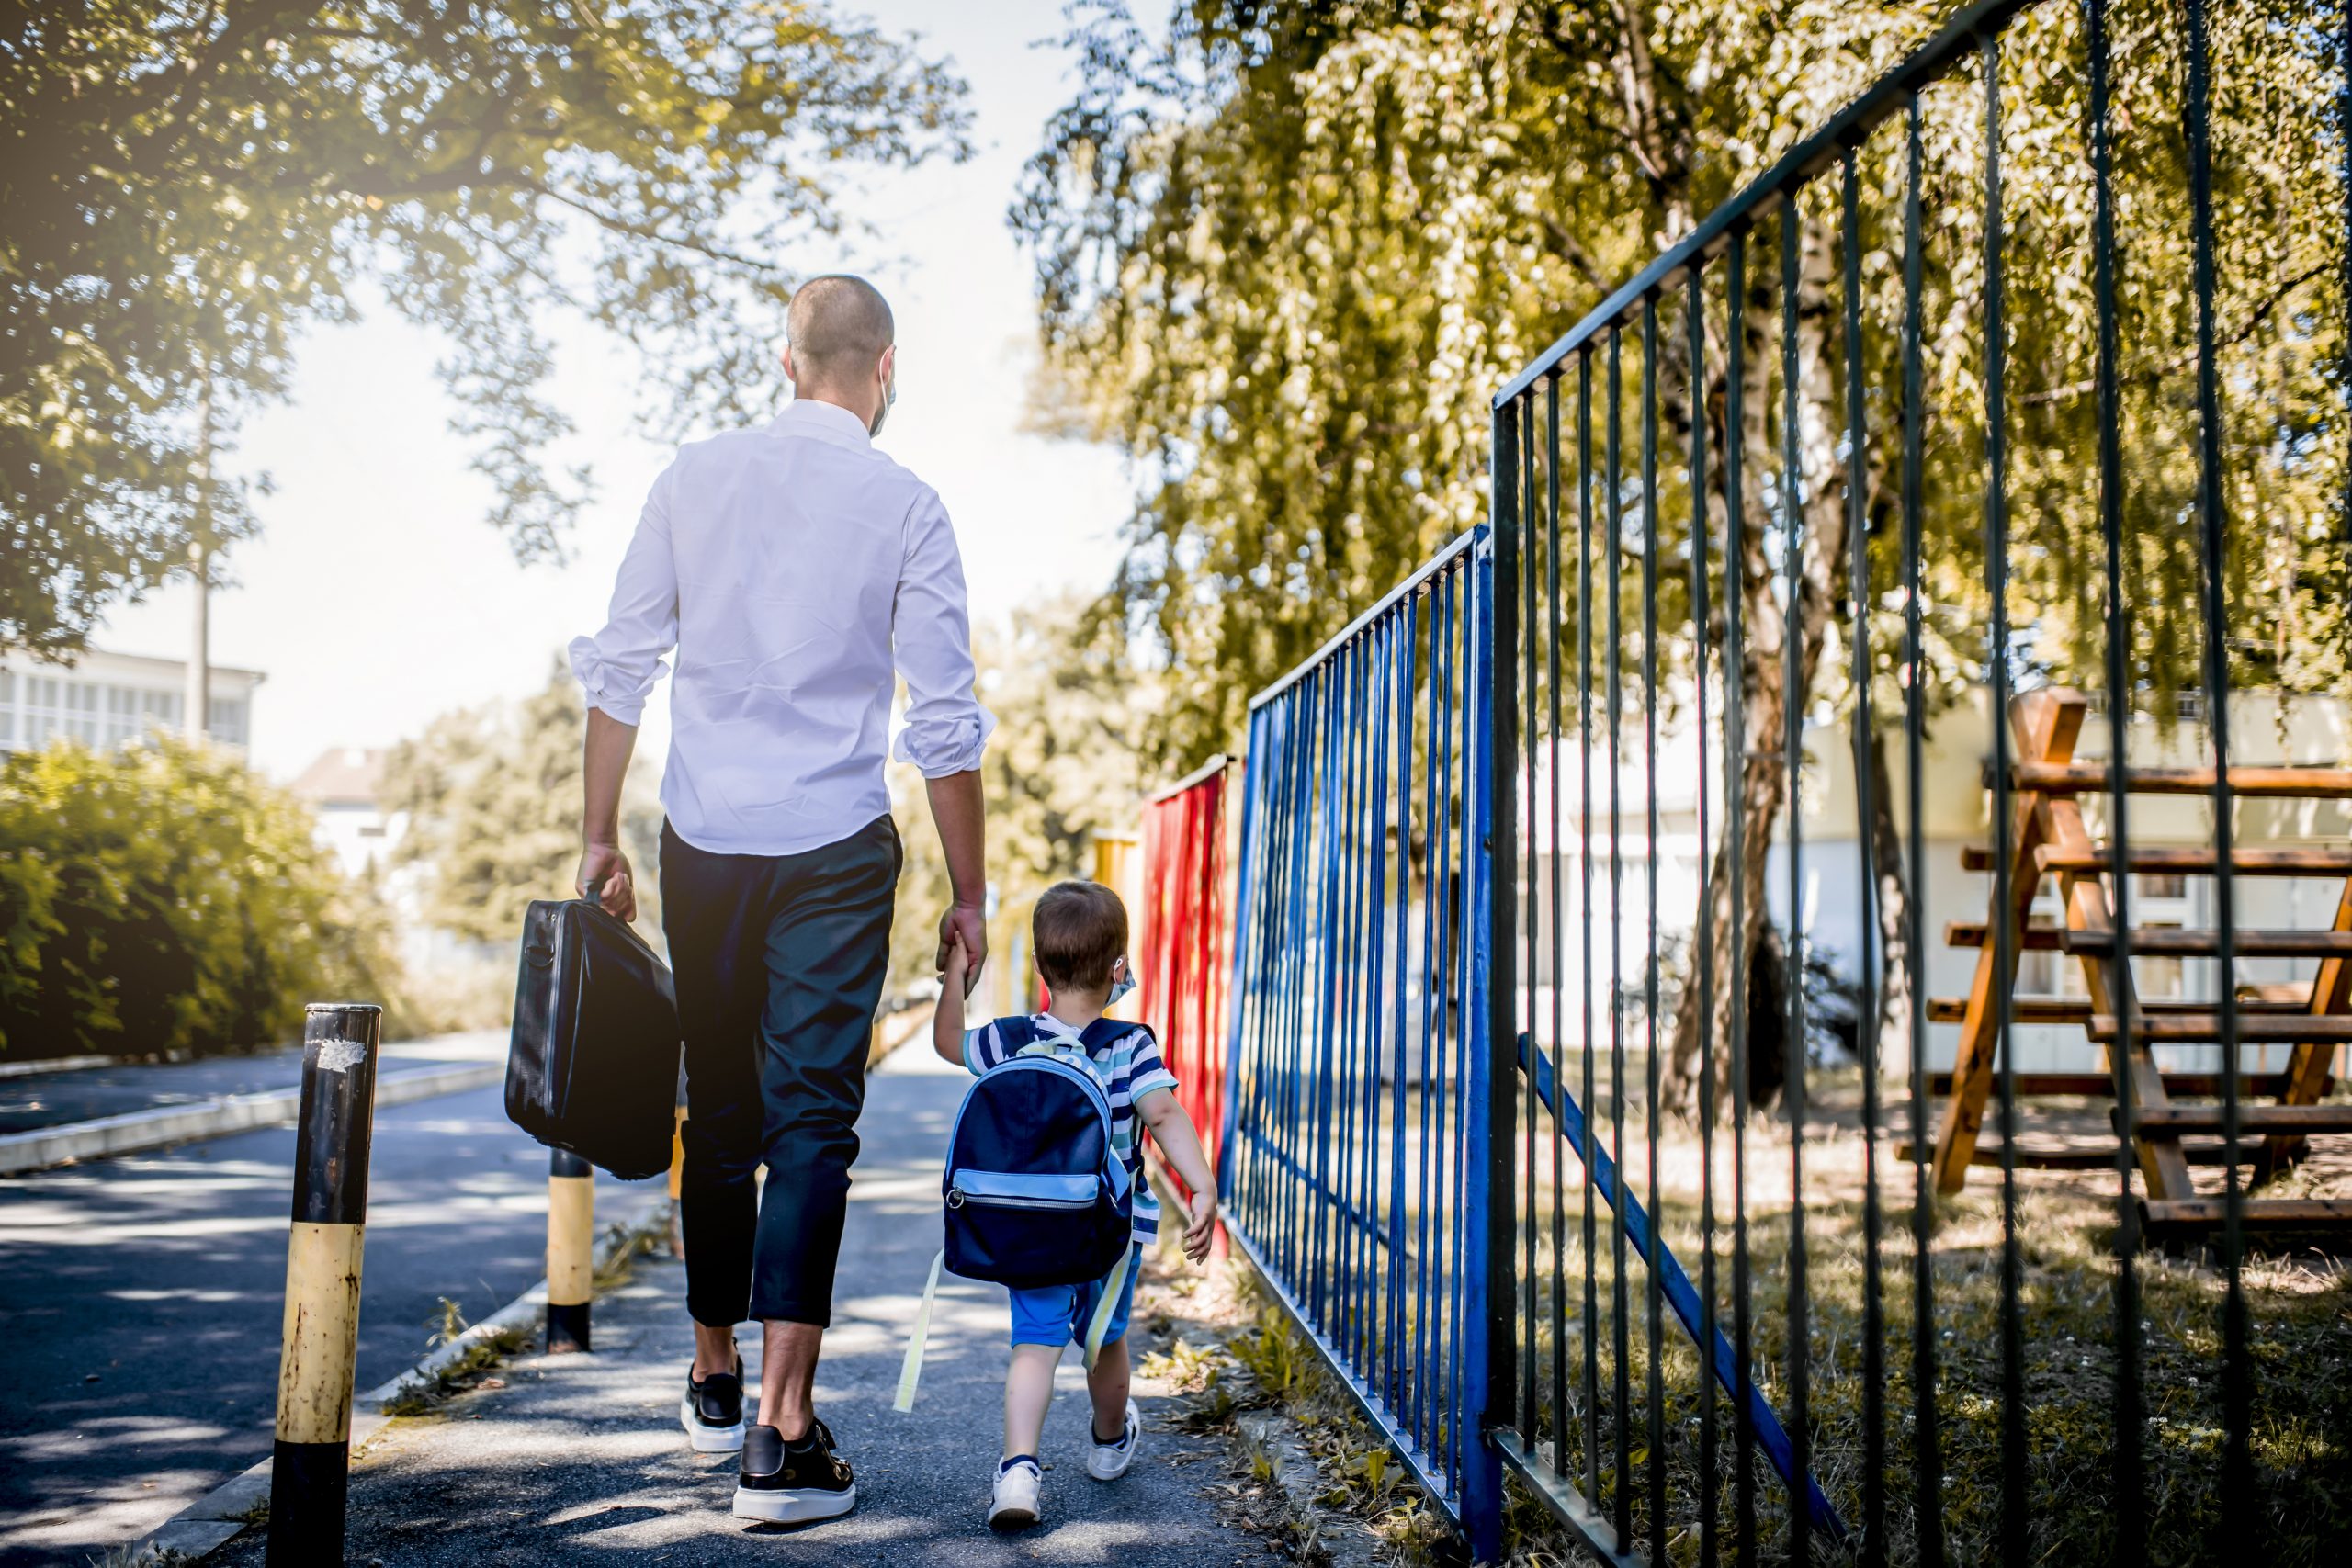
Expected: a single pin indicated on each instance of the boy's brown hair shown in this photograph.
(1080, 930)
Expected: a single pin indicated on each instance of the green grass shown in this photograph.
(2299, 1300)
(2298, 1303)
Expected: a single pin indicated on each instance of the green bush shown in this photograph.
(166, 897)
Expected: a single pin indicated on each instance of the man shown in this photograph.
(796, 569)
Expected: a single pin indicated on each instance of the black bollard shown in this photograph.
(571, 1244)
(310, 1467)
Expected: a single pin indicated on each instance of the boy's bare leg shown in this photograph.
(1107, 1386)
(1028, 1389)
(789, 1376)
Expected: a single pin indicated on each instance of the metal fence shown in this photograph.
(1456, 1082)
(1357, 1160)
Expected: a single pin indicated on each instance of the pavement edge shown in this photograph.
(135, 1131)
(222, 1513)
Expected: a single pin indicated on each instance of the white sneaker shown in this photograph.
(1108, 1462)
(1015, 1506)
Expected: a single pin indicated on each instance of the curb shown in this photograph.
(54, 1065)
(221, 1514)
(134, 1131)
(1324, 1535)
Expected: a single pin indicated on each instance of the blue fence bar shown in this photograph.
(1356, 1159)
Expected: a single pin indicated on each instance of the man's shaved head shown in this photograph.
(838, 327)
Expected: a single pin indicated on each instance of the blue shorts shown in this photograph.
(1058, 1314)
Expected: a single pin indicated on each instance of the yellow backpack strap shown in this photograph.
(1112, 1285)
(911, 1371)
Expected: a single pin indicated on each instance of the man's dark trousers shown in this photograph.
(779, 961)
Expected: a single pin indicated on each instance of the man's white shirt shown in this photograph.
(794, 569)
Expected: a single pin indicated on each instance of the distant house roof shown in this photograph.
(342, 775)
(97, 661)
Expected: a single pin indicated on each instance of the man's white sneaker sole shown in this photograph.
(706, 1438)
(793, 1507)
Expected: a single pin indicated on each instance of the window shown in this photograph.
(2049, 974)
(226, 720)
(7, 709)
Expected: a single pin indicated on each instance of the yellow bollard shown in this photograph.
(310, 1467)
(571, 1249)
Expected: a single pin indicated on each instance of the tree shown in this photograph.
(164, 898)
(1064, 765)
(187, 184)
(493, 798)
(1285, 260)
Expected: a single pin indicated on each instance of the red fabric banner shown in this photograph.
(1184, 964)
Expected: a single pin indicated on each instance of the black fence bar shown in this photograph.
(1654, 1289)
(1734, 830)
(1702, 622)
(1792, 532)
(1524, 649)
(2130, 1533)
(2238, 1511)
(1590, 1333)
(1926, 1458)
(1996, 570)
(1866, 1020)
(1621, 1494)
(1559, 1160)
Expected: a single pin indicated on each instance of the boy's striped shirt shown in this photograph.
(1126, 1059)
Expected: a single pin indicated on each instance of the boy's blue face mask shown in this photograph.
(1123, 983)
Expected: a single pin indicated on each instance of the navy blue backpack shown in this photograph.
(1034, 1193)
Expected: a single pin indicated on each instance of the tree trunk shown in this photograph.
(1763, 778)
(1897, 974)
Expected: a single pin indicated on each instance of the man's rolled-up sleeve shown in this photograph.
(946, 728)
(616, 668)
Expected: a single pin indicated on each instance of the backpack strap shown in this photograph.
(1113, 1284)
(911, 1371)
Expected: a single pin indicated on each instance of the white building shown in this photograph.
(341, 787)
(104, 699)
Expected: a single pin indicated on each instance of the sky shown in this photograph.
(377, 596)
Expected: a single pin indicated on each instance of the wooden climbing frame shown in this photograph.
(2047, 838)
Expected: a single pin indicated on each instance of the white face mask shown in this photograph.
(1122, 984)
(889, 397)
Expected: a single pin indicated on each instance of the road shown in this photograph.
(140, 1301)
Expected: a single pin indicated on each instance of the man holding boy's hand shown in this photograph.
(1079, 936)
(798, 573)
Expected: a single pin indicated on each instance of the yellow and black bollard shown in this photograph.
(571, 1246)
(311, 1462)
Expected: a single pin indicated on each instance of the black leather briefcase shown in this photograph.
(593, 1064)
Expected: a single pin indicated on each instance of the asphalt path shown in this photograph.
(578, 1459)
(141, 1301)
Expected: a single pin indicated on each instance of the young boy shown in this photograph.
(1079, 937)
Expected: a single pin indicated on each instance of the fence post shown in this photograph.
(1494, 1112)
(310, 1466)
(571, 1249)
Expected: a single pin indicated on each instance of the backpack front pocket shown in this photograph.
(1024, 1189)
